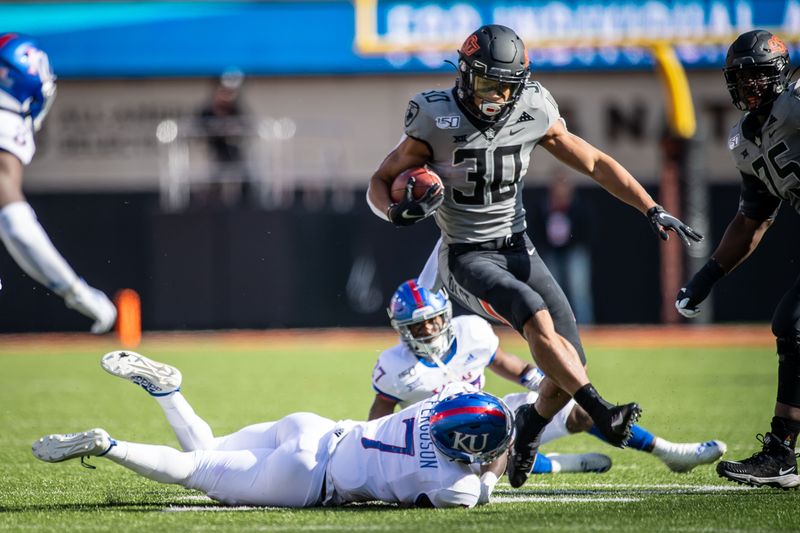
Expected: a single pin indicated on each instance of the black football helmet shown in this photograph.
(756, 69)
(492, 61)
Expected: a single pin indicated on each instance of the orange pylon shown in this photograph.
(129, 318)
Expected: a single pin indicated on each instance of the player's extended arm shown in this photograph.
(606, 171)
(33, 251)
(409, 153)
(381, 406)
(740, 239)
(512, 368)
(490, 473)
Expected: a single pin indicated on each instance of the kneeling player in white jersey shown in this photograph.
(27, 90)
(436, 350)
(446, 451)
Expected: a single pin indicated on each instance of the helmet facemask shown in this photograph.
(432, 345)
(488, 98)
(756, 70)
(756, 86)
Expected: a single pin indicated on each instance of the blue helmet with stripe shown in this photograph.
(26, 76)
(472, 427)
(422, 318)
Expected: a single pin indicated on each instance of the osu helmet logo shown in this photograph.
(470, 443)
(776, 45)
(471, 45)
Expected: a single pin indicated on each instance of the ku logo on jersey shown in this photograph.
(472, 444)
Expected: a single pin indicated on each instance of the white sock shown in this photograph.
(193, 432)
(660, 446)
(32, 249)
(159, 463)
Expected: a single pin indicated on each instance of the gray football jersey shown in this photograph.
(481, 170)
(773, 158)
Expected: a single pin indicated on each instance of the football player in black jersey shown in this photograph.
(765, 144)
(478, 137)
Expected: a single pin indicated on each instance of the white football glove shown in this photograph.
(683, 307)
(94, 304)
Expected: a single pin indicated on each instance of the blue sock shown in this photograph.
(641, 439)
(542, 465)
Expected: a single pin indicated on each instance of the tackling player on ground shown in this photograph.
(436, 350)
(479, 137)
(446, 451)
(765, 145)
(27, 90)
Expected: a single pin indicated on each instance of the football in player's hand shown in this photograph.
(423, 179)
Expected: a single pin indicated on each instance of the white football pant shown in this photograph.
(272, 463)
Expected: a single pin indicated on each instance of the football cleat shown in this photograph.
(774, 466)
(683, 457)
(579, 462)
(158, 379)
(61, 447)
(522, 458)
(617, 422)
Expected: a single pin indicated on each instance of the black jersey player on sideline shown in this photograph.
(478, 137)
(765, 144)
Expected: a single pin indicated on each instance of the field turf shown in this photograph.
(688, 394)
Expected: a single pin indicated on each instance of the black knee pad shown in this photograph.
(789, 370)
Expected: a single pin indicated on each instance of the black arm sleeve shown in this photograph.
(755, 200)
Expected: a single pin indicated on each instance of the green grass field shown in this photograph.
(687, 394)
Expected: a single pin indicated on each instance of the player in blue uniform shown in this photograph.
(436, 350)
(27, 90)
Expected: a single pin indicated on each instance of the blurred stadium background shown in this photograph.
(130, 192)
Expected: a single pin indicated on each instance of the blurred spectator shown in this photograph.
(564, 223)
(225, 126)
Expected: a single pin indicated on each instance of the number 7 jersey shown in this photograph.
(481, 166)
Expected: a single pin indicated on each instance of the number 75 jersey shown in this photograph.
(773, 158)
(481, 166)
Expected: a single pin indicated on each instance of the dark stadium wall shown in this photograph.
(244, 268)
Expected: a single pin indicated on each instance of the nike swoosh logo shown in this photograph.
(782, 472)
(405, 214)
(512, 132)
(530, 252)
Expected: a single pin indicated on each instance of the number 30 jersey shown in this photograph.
(481, 166)
(772, 156)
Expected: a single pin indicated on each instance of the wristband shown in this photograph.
(532, 379)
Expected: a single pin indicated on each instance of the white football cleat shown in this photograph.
(60, 447)
(682, 457)
(579, 462)
(159, 379)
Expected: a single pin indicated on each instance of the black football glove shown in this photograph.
(410, 211)
(689, 298)
(661, 221)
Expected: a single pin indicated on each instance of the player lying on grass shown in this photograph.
(445, 451)
(437, 350)
(27, 90)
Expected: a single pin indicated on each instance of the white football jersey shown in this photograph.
(16, 133)
(393, 459)
(405, 378)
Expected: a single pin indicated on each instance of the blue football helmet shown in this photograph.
(25, 74)
(411, 305)
(472, 427)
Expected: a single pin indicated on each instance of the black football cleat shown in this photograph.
(616, 423)
(522, 457)
(774, 466)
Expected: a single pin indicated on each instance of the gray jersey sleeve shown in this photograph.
(755, 200)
